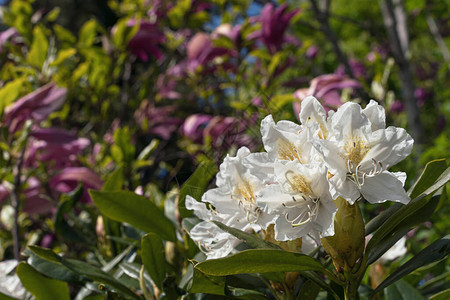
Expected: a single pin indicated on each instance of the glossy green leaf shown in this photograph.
(202, 283)
(433, 170)
(195, 186)
(260, 261)
(402, 290)
(10, 92)
(52, 269)
(308, 291)
(154, 259)
(412, 213)
(88, 33)
(38, 51)
(421, 215)
(6, 297)
(85, 269)
(115, 181)
(251, 240)
(436, 251)
(63, 55)
(444, 295)
(242, 293)
(40, 286)
(136, 210)
(430, 174)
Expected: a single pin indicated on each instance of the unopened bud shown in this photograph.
(346, 246)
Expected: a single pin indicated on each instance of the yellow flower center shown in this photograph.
(287, 151)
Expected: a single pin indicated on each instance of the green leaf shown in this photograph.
(176, 14)
(244, 293)
(202, 283)
(402, 291)
(85, 269)
(410, 214)
(444, 295)
(133, 271)
(195, 186)
(430, 174)
(52, 269)
(251, 240)
(308, 291)
(38, 50)
(260, 261)
(154, 259)
(421, 215)
(115, 181)
(10, 92)
(124, 33)
(6, 297)
(88, 33)
(138, 211)
(436, 251)
(40, 286)
(63, 34)
(123, 150)
(63, 55)
(433, 170)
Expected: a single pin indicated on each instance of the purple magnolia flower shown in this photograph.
(397, 106)
(312, 52)
(230, 32)
(37, 106)
(274, 23)
(194, 126)
(57, 145)
(35, 201)
(146, 42)
(226, 132)
(158, 120)
(9, 35)
(326, 88)
(422, 95)
(200, 51)
(68, 180)
(358, 69)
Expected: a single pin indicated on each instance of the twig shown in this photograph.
(398, 38)
(15, 194)
(438, 38)
(323, 18)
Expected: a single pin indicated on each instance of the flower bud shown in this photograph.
(346, 246)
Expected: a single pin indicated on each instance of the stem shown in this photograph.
(15, 194)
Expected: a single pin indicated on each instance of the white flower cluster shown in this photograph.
(305, 167)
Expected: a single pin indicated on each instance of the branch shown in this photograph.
(438, 38)
(398, 38)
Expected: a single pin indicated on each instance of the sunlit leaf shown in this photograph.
(40, 286)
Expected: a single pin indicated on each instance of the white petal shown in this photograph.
(272, 198)
(312, 110)
(390, 146)
(199, 208)
(348, 119)
(376, 115)
(384, 187)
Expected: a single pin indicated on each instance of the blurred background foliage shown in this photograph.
(146, 90)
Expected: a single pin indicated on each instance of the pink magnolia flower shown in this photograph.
(194, 126)
(68, 180)
(35, 201)
(9, 35)
(146, 41)
(274, 22)
(36, 106)
(159, 121)
(326, 88)
(57, 145)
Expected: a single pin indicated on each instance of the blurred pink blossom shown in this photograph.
(57, 145)
(312, 52)
(358, 69)
(9, 35)
(159, 121)
(146, 41)
(35, 201)
(274, 23)
(422, 95)
(194, 126)
(37, 106)
(67, 180)
(397, 106)
(326, 88)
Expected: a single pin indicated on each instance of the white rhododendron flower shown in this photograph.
(288, 192)
(301, 200)
(237, 185)
(286, 140)
(359, 151)
(214, 242)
